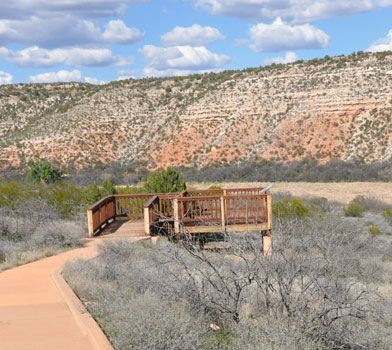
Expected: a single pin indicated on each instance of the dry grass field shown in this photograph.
(342, 192)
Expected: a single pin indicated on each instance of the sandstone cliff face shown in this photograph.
(331, 108)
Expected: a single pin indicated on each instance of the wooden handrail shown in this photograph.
(100, 213)
(151, 201)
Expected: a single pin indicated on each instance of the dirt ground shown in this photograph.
(342, 192)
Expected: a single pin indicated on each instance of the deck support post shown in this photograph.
(267, 245)
(176, 216)
(146, 221)
(223, 213)
(269, 211)
(90, 223)
(267, 239)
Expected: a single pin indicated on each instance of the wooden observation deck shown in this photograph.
(227, 210)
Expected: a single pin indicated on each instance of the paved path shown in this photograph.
(33, 314)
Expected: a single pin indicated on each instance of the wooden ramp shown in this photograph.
(124, 228)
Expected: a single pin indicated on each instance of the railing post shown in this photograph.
(267, 239)
(176, 216)
(90, 222)
(223, 213)
(147, 221)
(269, 211)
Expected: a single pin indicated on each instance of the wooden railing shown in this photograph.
(215, 209)
(223, 192)
(100, 214)
(131, 205)
(224, 211)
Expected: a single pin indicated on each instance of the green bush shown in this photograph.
(387, 214)
(165, 181)
(11, 193)
(43, 171)
(93, 193)
(129, 190)
(374, 231)
(108, 188)
(90, 195)
(354, 209)
(66, 199)
(289, 209)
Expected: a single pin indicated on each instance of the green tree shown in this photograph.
(165, 181)
(43, 171)
(90, 195)
(108, 188)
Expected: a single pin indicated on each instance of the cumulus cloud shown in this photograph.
(296, 11)
(63, 23)
(22, 9)
(383, 44)
(49, 32)
(74, 57)
(280, 36)
(64, 76)
(181, 60)
(289, 57)
(118, 32)
(5, 78)
(195, 35)
(126, 74)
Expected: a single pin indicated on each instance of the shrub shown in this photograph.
(387, 214)
(370, 203)
(289, 209)
(353, 209)
(374, 231)
(90, 195)
(165, 181)
(66, 199)
(300, 297)
(93, 193)
(43, 171)
(11, 193)
(107, 188)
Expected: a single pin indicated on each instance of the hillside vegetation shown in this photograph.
(331, 108)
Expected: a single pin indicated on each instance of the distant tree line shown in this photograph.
(303, 170)
(307, 170)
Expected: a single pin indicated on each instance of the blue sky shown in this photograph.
(98, 41)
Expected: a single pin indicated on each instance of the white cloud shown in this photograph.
(288, 58)
(383, 44)
(118, 32)
(181, 60)
(296, 11)
(74, 57)
(5, 78)
(280, 36)
(60, 23)
(126, 74)
(195, 35)
(50, 32)
(64, 76)
(83, 8)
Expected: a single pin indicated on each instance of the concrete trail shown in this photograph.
(33, 312)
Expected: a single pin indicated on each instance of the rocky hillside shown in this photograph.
(330, 108)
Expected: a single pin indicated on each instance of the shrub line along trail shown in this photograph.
(33, 314)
